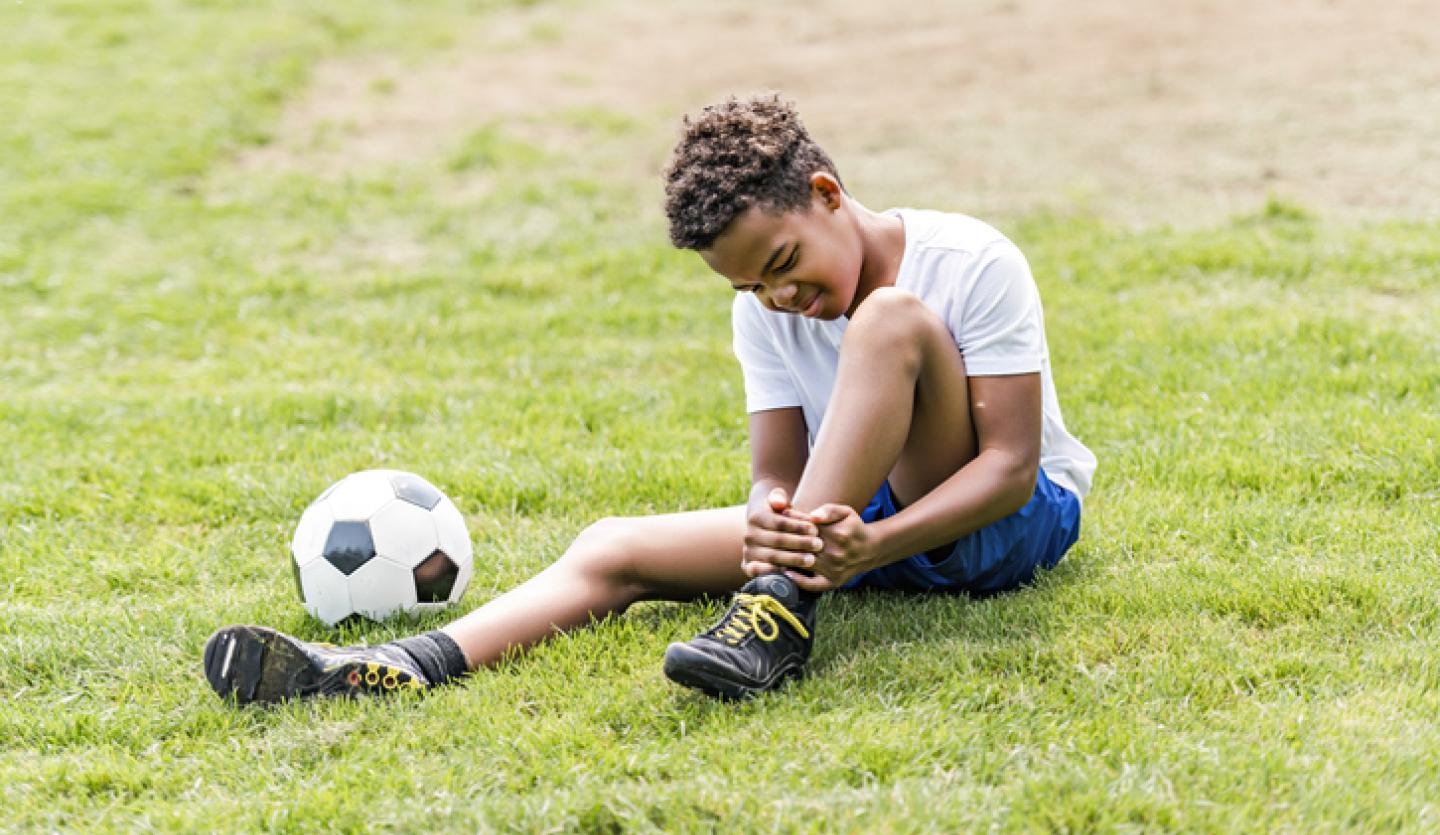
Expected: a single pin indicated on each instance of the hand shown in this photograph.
(849, 549)
(778, 537)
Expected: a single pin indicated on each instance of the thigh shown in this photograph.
(680, 556)
(942, 430)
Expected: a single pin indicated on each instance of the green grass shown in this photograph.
(1244, 639)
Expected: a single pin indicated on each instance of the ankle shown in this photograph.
(437, 655)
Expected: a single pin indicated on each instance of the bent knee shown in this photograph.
(894, 321)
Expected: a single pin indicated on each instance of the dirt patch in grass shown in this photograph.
(1179, 112)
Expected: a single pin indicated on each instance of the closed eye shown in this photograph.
(782, 268)
(789, 262)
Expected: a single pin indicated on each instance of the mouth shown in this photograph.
(811, 309)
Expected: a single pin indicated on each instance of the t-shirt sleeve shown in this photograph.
(767, 381)
(1001, 329)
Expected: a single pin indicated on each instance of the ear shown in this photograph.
(826, 188)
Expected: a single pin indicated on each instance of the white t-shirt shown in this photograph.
(978, 283)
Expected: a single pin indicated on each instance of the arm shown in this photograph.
(778, 452)
(996, 483)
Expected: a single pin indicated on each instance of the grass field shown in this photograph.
(191, 349)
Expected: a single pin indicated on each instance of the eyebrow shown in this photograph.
(768, 264)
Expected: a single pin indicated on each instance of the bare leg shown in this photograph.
(900, 408)
(611, 564)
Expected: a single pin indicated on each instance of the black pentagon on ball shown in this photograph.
(415, 490)
(435, 578)
(349, 546)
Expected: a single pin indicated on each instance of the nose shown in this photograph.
(783, 296)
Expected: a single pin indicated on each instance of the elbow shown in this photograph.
(1020, 485)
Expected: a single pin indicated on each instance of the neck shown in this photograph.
(882, 239)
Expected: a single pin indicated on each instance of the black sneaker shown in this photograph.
(256, 664)
(763, 640)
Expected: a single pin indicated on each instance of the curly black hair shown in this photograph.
(735, 155)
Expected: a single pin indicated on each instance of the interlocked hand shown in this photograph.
(778, 537)
(848, 548)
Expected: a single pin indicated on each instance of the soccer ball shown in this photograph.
(379, 542)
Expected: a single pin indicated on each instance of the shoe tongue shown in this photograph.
(778, 586)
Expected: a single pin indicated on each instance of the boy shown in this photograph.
(904, 432)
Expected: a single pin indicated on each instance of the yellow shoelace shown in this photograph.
(754, 615)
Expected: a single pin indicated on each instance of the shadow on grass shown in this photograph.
(872, 639)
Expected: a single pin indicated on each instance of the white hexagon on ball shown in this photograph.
(326, 592)
(404, 532)
(454, 534)
(360, 495)
(455, 542)
(462, 581)
(381, 588)
(309, 539)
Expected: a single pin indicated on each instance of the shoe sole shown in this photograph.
(255, 664)
(691, 668)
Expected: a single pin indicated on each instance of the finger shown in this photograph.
(829, 514)
(810, 583)
(784, 541)
(799, 515)
(778, 499)
(784, 524)
(787, 559)
(780, 559)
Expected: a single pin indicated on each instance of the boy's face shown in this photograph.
(802, 262)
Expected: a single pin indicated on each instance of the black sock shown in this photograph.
(436, 654)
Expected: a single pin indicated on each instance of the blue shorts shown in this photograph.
(999, 557)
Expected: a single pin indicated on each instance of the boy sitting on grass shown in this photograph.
(904, 432)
